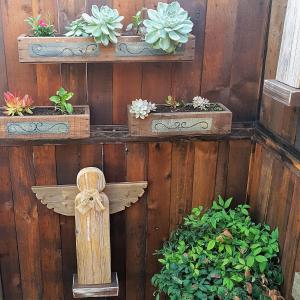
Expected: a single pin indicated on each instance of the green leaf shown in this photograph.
(228, 202)
(262, 266)
(250, 261)
(261, 258)
(221, 201)
(211, 244)
(228, 249)
(55, 99)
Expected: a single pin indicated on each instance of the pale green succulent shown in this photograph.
(76, 28)
(168, 27)
(103, 25)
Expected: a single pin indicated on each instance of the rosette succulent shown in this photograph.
(141, 108)
(76, 28)
(168, 27)
(103, 25)
(199, 102)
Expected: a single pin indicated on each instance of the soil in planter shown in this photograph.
(188, 108)
(48, 111)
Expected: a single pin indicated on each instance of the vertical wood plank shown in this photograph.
(115, 171)
(127, 78)
(73, 76)
(238, 169)
(20, 77)
(91, 155)
(205, 166)
(186, 77)
(3, 73)
(259, 203)
(217, 61)
(159, 197)
(47, 75)
(100, 83)
(279, 203)
(136, 223)
(181, 182)
(9, 258)
(291, 241)
(222, 169)
(67, 166)
(26, 218)
(252, 18)
(49, 228)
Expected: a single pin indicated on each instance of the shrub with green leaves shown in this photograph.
(40, 27)
(221, 254)
(168, 27)
(61, 101)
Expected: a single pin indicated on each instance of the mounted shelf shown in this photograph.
(43, 125)
(84, 49)
(181, 123)
(281, 92)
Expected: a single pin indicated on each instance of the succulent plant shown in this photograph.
(103, 25)
(199, 102)
(76, 28)
(15, 105)
(141, 108)
(168, 27)
(137, 23)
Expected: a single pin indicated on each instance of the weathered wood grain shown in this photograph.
(49, 227)
(3, 73)
(205, 165)
(288, 69)
(26, 218)
(35, 127)
(159, 198)
(136, 225)
(183, 123)
(281, 92)
(10, 268)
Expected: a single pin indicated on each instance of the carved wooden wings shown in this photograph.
(61, 198)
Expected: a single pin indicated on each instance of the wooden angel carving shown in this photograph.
(91, 201)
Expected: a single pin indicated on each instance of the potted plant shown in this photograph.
(178, 118)
(19, 119)
(220, 254)
(164, 35)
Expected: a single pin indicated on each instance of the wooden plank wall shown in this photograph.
(273, 194)
(37, 251)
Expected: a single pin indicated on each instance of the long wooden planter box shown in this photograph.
(38, 127)
(84, 49)
(181, 123)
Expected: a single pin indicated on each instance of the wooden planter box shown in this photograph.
(84, 49)
(181, 123)
(38, 127)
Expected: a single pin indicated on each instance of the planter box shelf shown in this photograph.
(181, 123)
(50, 127)
(84, 49)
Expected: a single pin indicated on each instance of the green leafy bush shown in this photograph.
(168, 27)
(220, 254)
(61, 101)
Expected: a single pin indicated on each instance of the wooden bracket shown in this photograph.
(96, 290)
(281, 92)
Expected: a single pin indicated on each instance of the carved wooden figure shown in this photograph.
(91, 202)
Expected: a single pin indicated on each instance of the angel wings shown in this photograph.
(61, 198)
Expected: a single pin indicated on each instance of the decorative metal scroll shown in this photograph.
(64, 49)
(26, 128)
(141, 49)
(187, 124)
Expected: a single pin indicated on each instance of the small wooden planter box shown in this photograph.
(84, 49)
(38, 127)
(181, 123)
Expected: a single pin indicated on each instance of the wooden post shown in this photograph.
(288, 69)
(92, 229)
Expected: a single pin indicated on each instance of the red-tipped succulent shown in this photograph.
(15, 105)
